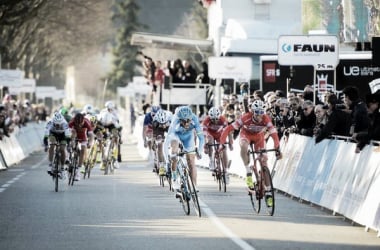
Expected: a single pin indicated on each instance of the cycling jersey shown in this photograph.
(185, 136)
(214, 129)
(252, 130)
(81, 130)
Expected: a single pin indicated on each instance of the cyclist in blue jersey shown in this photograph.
(183, 128)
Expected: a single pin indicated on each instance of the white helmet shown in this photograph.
(109, 105)
(258, 107)
(214, 113)
(162, 116)
(58, 118)
(88, 109)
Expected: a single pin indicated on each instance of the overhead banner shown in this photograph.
(321, 51)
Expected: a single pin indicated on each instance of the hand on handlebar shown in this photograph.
(198, 154)
(278, 154)
(221, 147)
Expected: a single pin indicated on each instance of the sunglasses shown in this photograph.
(305, 109)
(259, 112)
(185, 121)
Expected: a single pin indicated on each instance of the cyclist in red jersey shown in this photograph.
(213, 126)
(81, 128)
(253, 125)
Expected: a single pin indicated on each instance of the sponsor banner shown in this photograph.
(321, 51)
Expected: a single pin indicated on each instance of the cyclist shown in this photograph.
(161, 123)
(109, 120)
(147, 132)
(253, 124)
(83, 132)
(213, 126)
(183, 128)
(56, 131)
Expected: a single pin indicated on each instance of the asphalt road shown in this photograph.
(129, 210)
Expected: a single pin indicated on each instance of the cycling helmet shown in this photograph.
(88, 109)
(214, 113)
(184, 113)
(63, 111)
(58, 118)
(258, 107)
(155, 109)
(162, 116)
(109, 105)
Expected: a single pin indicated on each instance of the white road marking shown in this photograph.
(210, 214)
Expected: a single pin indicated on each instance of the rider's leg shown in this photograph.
(192, 167)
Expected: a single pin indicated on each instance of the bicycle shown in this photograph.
(74, 152)
(260, 190)
(187, 191)
(57, 170)
(220, 168)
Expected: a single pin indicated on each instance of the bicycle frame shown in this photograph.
(74, 160)
(220, 168)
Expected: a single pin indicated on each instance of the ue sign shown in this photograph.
(309, 50)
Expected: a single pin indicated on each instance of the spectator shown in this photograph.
(203, 75)
(338, 121)
(373, 133)
(321, 117)
(190, 74)
(359, 113)
(306, 124)
(177, 71)
(295, 108)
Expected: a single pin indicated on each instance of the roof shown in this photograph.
(255, 36)
(171, 42)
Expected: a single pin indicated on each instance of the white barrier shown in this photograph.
(21, 143)
(332, 175)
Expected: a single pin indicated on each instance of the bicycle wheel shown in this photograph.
(223, 183)
(73, 169)
(194, 195)
(218, 171)
(169, 178)
(56, 177)
(270, 204)
(255, 196)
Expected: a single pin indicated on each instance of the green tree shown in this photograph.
(125, 19)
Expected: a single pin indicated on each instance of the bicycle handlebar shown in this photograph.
(261, 151)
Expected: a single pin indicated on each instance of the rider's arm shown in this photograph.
(199, 132)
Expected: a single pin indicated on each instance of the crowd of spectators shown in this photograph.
(343, 117)
(16, 113)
